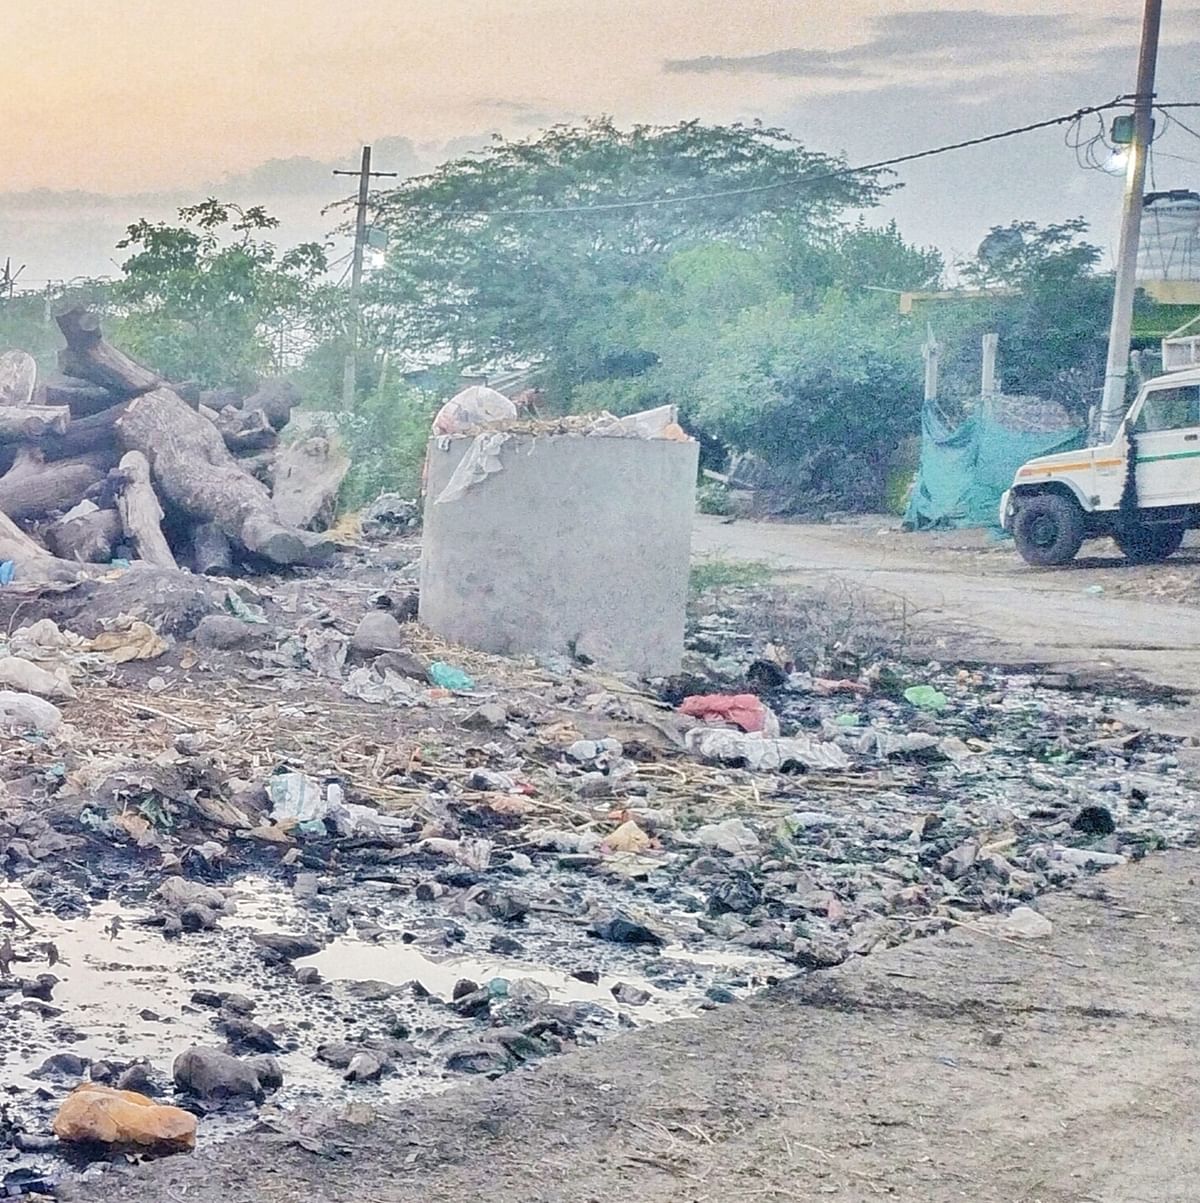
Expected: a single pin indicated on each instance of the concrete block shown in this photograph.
(578, 542)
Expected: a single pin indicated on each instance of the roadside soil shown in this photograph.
(960, 1067)
(972, 596)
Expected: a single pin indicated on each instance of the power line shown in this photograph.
(795, 181)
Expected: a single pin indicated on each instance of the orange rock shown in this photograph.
(95, 1114)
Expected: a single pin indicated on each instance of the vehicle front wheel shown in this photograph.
(1048, 529)
(1146, 544)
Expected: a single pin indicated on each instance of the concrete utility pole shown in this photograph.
(365, 175)
(1113, 404)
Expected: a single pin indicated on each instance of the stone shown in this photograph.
(364, 1066)
(630, 996)
(223, 632)
(620, 929)
(121, 1119)
(286, 946)
(377, 631)
(62, 1065)
(138, 1077)
(480, 1059)
(506, 946)
(731, 835)
(214, 1075)
(309, 975)
(243, 1033)
(490, 716)
(178, 893)
(407, 664)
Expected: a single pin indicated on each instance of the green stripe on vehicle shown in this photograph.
(1154, 459)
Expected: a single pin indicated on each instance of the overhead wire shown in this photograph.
(777, 185)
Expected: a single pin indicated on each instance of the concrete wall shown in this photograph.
(578, 541)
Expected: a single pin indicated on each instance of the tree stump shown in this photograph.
(141, 515)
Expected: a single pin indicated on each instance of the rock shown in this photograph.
(239, 1004)
(463, 987)
(40, 987)
(287, 947)
(214, 1075)
(736, 895)
(473, 1005)
(1088, 858)
(309, 975)
(62, 1065)
(245, 1034)
(26, 677)
(120, 1119)
(620, 929)
(307, 886)
(720, 994)
(23, 712)
(818, 953)
(490, 716)
(377, 631)
(506, 946)
(364, 1067)
(178, 894)
(958, 860)
(371, 990)
(1094, 820)
(337, 1053)
(138, 1077)
(586, 750)
(1021, 923)
(480, 1059)
(224, 632)
(407, 664)
(732, 836)
(27, 1142)
(630, 996)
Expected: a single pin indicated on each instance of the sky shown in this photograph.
(118, 109)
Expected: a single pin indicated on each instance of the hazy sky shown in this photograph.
(118, 108)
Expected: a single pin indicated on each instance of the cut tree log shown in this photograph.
(96, 432)
(90, 355)
(33, 488)
(211, 553)
(246, 430)
(308, 474)
(194, 470)
(81, 397)
(88, 538)
(261, 466)
(276, 397)
(18, 377)
(141, 515)
(33, 561)
(18, 422)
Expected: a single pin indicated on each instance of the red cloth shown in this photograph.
(741, 709)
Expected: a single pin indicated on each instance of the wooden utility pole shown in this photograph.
(365, 175)
(1112, 407)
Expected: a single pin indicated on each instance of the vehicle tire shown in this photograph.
(1148, 544)
(1048, 528)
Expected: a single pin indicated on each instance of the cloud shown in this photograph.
(914, 44)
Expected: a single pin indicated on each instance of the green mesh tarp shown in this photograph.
(965, 469)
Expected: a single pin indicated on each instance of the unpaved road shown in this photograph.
(987, 601)
(956, 1068)
(961, 1067)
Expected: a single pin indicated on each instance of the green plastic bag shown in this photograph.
(446, 676)
(925, 697)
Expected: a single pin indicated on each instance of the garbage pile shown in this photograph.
(109, 461)
(304, 850)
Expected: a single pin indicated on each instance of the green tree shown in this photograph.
(526, 250)
(213, 300)
(1049, 306)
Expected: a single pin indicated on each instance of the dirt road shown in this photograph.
(959, 1068)
(987, 601)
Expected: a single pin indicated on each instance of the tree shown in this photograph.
(524, 250)
(1050, 308)
(214, 301)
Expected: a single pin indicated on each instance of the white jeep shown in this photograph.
(1057, 501)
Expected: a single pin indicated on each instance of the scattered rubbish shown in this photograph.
(93, 1114)
(447, 676)
(24, 676)
(1094, 820)
(131, 639)
(1094, 590)
(8, 572)
(22, 712)
(798, 753)
(742, 710)
(386, 688)
(925, 697)
(246, 611)
(731, 835)
(301, 800)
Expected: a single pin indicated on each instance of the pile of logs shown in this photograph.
(108, 459)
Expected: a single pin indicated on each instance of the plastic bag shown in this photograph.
(481, 461)
(447, 676)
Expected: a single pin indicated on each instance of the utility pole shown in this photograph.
(365, 175)
(1113, 404)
